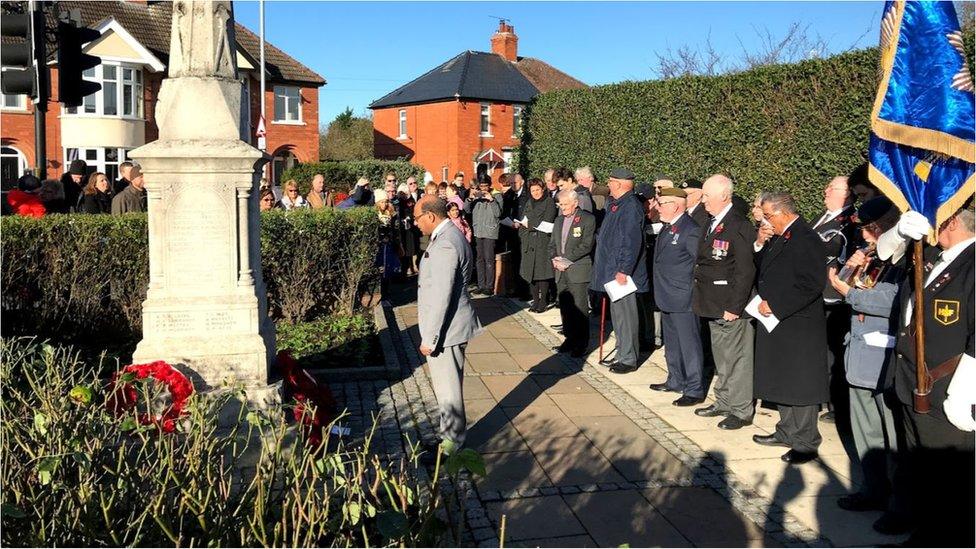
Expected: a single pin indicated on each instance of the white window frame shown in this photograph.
(485, 120)
(444, 174)
(517, 111)
(507, 157)
(136, 103)
(99, 163)
(274, 111)
(19, 155)
(402, 128)
(21, 105)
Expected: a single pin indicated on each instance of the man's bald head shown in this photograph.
(429, 212)
(716, 193)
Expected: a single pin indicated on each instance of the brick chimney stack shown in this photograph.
(504, 42)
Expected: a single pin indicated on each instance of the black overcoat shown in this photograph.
(791, 362)
(536, 261)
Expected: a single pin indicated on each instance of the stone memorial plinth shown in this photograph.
(205, 307)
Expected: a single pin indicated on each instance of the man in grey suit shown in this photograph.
(571, 249)
(444, 313)
(675, 252)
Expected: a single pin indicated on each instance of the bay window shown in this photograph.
(121, 94)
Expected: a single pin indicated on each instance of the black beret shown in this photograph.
(691, 184)
(622, 173)
(874, 209)
(644, 190)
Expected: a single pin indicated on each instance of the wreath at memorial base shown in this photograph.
(124, 396)
(308, 394)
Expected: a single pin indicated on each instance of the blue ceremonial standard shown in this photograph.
(922, 150)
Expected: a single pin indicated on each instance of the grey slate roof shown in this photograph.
(470, 75)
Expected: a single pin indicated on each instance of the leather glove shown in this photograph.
(913, 225)
(958, 405)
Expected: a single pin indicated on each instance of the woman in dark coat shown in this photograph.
(95, 198)
(536, 266)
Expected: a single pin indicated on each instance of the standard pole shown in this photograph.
(264, 120)
(603, 316)
(921, 372)
(40, 105)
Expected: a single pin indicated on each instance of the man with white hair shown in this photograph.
(724, 274)
(584, 176)
(571, 250)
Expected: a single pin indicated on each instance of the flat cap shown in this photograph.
(691, 184)
(670, 191)
(622, 173)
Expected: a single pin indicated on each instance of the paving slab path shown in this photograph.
(579, 457)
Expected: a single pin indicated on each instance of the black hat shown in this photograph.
(78, 167)
(691, 184)
(28, 183)
(622, 173)
(644, 190)
(875, 209)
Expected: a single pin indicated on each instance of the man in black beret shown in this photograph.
(693, 189)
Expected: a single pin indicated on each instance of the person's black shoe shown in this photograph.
(827, 417)
(769, 440)
(686, 400)
(662, 387)
(732, 423)
(893, 524)
(578, 353)
(556, 326)
(794, 457)
(564, 347)
(621, 368)
(560, 332)
(858, 502)
(710, 411)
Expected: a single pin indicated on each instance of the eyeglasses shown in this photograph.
(391, 180)
(768, 216)
(291, 191)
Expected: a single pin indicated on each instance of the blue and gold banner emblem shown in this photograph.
(923, 126)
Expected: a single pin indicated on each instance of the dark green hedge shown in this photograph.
(341, 176)
(82, 278)
(788, 127)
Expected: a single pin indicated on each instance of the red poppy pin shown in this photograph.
(786, 235)
(614, 208)
(674, 230)
(576, 219)
(719, 228)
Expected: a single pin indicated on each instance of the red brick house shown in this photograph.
(134, 49)
(464, 115)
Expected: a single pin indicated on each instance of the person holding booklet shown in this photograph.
(619, 268)
(790, 358)
(571, 249)
(534, 230)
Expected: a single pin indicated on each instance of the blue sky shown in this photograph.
(366, 49)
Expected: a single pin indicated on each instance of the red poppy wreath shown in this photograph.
(123, 396)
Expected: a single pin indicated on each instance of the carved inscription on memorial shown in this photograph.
(173, 322)
(198, 242)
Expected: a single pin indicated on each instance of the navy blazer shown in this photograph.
(620, 244)
(675, 254)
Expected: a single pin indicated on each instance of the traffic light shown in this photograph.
(72, 63)
(18, 52)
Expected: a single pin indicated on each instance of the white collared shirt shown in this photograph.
(719, 217)
(830, 215)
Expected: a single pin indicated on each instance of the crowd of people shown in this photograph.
(79, 191)
(807, 318)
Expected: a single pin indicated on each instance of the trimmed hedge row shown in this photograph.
(789, 127)
(82, 278)
(341, 176)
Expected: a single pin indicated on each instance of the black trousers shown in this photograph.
(838, 317)
(573, 299)
(485, 263)
(540, 294)
(797, 427)
(939, 474)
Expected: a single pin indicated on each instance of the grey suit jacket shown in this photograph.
(444, 310)
(579, 246)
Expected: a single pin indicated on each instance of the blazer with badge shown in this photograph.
(579, 246)
(675, 253)
(725, 269)
(444, 312)
(789, 367)
(948, 304)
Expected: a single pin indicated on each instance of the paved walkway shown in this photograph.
(577, 456)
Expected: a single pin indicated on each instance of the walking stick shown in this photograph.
(922, 388)
(603, 316)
